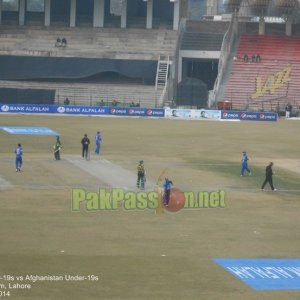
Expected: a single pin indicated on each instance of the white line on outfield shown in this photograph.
(4, 184)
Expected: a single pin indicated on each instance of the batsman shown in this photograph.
(167, 190)
(57, 147)
(141, 175)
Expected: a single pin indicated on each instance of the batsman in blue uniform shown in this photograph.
(244, 166)
(167, 190)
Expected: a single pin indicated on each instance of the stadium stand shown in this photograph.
(184, 41)
(202, 41)
(113, 44)
(91, 93)
(271, 83)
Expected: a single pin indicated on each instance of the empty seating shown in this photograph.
(270, 83)
(113, 43)
(92, 93)
(202, 41)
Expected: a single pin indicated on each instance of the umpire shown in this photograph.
(85, 146)
(269, 177)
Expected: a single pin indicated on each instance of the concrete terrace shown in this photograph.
(114, 43)
(87, 42)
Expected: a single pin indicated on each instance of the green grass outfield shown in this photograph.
(137, 255)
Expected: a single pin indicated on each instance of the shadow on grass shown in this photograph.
(282, 179)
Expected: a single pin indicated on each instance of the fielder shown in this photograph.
(19, 160)
(98, 140)
(244, 166)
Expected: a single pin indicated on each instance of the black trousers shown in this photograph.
(140, 180)
(57, 155)
(268, 180)
(85, 150)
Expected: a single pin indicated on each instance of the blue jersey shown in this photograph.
(167, 184)
(19, 152)
(245, 158)
(98, 138)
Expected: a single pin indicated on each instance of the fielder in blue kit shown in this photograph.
(19, 161)
(98, 140)
(244, 166)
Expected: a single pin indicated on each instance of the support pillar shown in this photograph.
(0, 12)
(262, 25)
(22, 8)
(149, 22)
(124, 14)
(176, 14)
(288, 26)
(47, 12)
(211, 7)
(179, 71)
(73, 13)
(98, 19)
